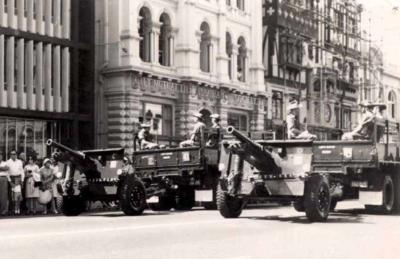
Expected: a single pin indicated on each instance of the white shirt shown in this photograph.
(15, 167)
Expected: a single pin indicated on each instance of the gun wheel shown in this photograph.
(228, 206)
(133, 197)
(317, 198)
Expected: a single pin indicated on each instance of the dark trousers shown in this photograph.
(4, 197)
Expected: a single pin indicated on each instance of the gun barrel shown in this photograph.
(53, 143)
(231, 130)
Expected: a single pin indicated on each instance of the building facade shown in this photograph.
(160, 61)
(46, 74)
(312, 54)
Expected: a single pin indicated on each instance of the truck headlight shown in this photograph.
(221, 167)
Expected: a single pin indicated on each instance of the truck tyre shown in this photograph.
(132, 196)
(388, 203)
(73, 205)
(299, 205)
(184, 200)
(317, 198)
(228, 206)
(165, 203)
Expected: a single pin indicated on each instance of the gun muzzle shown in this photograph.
(230, 129)
(49, 142)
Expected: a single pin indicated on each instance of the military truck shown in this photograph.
(314, 175)
(186, 175)
(95, 175)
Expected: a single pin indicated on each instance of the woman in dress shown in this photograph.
(47, 178)
(31, 191)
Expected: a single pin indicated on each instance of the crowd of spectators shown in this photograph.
(28, 186)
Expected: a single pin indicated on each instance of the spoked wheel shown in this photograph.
(229, 206)
(317, 198)
(133, 197)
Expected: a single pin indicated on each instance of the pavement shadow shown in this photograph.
(374, 212)
(332, 219)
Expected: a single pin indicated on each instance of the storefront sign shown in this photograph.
(147, 84)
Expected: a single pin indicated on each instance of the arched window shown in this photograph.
(317, 86)
(229, 53)
(145, 30)
(392, 105)
(241, 61)
(165, 41)
(205, 48)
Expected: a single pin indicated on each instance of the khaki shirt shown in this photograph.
(195, 136)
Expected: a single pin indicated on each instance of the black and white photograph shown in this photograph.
(199, 129)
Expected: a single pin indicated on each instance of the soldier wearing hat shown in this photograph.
(291, 123)
(195, 135)
(365, 128)
(215, 120)
(145, 137)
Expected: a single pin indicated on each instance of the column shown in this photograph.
(65, 79)
(10, 72)
(10, 17)
(21, 13)
(57, 18)
(39, 76)
(156, 46)
(29, 18)
(171, 46)
(65, 16)
(2, 92)
(39, 16)
(47, 77)
(20, 72)
(2, 13)
(56, 79)
(29, 74)
(47, 17)
(234, 62)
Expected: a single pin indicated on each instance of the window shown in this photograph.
(145, 30)
(241, 60)
(392, 105)
(165, 41)
(317, 86)
(238, 121)
(240, 4)
(205, 48)
(337, 117)
(346, 119)
(276, 105)
(159, 116)
(229, 53)
(330, 87)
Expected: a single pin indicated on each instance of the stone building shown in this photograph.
(312, 53)
(46, 74)
(160, 61)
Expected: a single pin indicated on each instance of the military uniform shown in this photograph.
(145, 138)
(195, 135)
(291, 122)
(365, 129)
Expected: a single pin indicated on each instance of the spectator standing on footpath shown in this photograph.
(4, 179)
(47, 178)
(57, 181)
(31, 191)
(16, 172)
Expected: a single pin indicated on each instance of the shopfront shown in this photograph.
(29, 136)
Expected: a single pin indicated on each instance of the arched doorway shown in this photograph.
(206, 115)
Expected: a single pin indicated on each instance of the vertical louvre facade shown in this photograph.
(40, 49)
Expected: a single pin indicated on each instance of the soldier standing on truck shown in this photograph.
(145, 138)
(291, 121)
(195, 135)
(365, 128)
(215, 120)
(213, 138)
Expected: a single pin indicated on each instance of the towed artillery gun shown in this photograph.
(314, 175)
(95, 175)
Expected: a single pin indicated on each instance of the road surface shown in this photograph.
(274, 232)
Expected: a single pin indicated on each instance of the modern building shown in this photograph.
(160, 61)
(46, 74)
(312, 54)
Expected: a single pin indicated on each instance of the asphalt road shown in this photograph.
(275, 232)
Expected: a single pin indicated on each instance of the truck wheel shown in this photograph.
(299, 205)
(165, 203)
(317, 198)
(132, 197)
(228, 206)
(388, 204)
(184, 200)
(73, 205)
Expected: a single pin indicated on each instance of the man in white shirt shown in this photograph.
(4, 179)
(16, 173)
